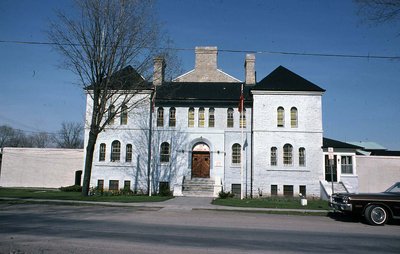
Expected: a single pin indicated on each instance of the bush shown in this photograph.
(224, 195)
(72, 188)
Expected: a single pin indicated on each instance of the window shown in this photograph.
(102, 152)
(347, 165)
(100, 184)
(243, 118)
(128, 155)
(236, 150)
(111, 114)
(293, 117)
(164, 189)
(287, 154)
(172, 117)
(274, 161)
(201, 117)
(236, 189)
(127, 185)
(230, 118)
(211, 117)
(281, 117)
(113, 185)
(160, 117)
(115, 150)
(191, 117)
(274, 190)
(288, 190)
(303, 190)
(302, 156)
(124, 114)
(165, 152)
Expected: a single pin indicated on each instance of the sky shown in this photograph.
(362, 98)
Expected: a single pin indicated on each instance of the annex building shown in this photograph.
(191, 136)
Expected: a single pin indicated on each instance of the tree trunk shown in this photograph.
(88, 163)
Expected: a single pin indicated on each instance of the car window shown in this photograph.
(395, 188)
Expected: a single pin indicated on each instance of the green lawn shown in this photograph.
(283, 203)
(60, 195)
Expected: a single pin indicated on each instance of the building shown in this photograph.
(194, 138)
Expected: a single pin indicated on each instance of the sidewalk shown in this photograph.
(175, 204)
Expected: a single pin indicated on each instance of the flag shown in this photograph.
(241, 100)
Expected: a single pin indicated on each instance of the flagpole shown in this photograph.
(242, 147)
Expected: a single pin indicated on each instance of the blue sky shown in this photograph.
(362, 101)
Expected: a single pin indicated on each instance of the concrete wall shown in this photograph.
(377, 173)
(40, 167)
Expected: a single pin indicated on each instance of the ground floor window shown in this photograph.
(274, 190)
(288, 190)
(127, 185)
(236, 189)
(100, 184)
(347, 165)
(303, 190)
(163, 189)
(113, 185)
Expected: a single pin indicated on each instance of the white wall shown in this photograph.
(40, 167)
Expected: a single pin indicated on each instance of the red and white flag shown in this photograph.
(241, 100)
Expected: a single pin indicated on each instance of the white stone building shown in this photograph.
(201, 143)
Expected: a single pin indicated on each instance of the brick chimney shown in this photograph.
(249, 66)
(206, 58)
(159, 71)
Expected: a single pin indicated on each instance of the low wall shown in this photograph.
(40, 167)
(377, 173)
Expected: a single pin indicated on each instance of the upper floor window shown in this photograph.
(115, 150)
(172, 117)
(287, 154)
(201, 117)
(274, 160)
(211, 117)
(243, 118)
(191, 117)
(124, 114)
(102, 152)
(302, 156)
(236, 154)
(111, 114)
(281, 117)
(347, 165)
(229, 118)
(160, 117)
(165, 152)
(293, 117)
(128, 156)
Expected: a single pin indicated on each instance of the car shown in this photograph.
(377, 208)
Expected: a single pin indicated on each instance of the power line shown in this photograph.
(226, 50)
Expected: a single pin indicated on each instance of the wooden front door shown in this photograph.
(201, 164)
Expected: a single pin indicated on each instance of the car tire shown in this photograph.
(376, 215)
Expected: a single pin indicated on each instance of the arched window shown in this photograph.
(274, 160)
(164, 152)
(111, 114)
(229, 118)
(236, 154)
(302, 156)
(243, 118)
(288, 154)
(160, 117)
(128, 154)
(115, 150)
(191, 117)
(201, 117)
(281, 117)
(211, 117)
(124, 114)
(293, 117)
(172, 117)
(102, 152)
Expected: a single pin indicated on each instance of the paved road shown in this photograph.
(38, 228)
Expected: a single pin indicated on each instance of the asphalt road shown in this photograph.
(40, 228)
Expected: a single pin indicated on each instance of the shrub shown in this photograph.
(72, 188)
(224, 195)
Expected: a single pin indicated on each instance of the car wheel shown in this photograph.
(376, 215)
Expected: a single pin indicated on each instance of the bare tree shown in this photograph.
(6, 135)
(41, 140)
(98, 42)
(70, 135)
(379, 11)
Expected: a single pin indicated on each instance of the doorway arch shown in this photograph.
(201, 160)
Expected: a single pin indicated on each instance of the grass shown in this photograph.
(60, 195)
(282, 203)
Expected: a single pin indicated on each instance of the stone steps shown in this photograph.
(198, 187)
